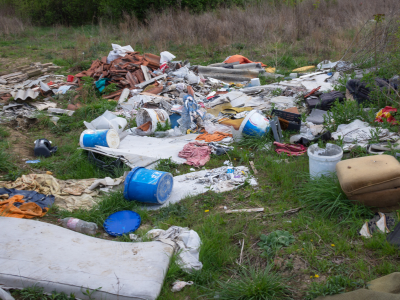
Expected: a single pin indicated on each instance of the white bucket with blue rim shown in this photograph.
(254, 124)
(106, 138)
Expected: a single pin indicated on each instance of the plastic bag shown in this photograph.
(181, 73)
(210, 127)
(179, 285)
(166, 56)
(118, 51)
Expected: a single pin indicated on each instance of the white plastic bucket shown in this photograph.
(106, 138)
(254, 124)
(145, 115)
(323, 161)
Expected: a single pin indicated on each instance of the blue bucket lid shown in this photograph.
(122, 222)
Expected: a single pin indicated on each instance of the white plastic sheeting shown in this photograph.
(358, 133)
(55, 258)
(141, 151)
(196, 183)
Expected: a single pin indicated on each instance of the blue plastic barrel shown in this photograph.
(106, 138)
(148, 186)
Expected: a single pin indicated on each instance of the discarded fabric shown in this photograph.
(186, 243)
(290, 149)
(197, 154)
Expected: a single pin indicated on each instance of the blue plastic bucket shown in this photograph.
(255, 124)
(148, 186)
(106, 138)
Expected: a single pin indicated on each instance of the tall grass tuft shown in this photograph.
(325, 196)
(253, 284)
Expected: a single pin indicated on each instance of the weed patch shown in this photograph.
(334, 285)
(253, 284)
(325, 196)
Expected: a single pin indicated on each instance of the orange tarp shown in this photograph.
(242, 60)
(215, 137)
(27, 210)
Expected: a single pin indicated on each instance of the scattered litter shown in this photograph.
(244, 210)
(217, 180)
(253, 167)
(61, 111)
(186, 243)
(32, 161)
(290, 149)
(69, 194)
(122, 222)
(8, 208)
(43, 148)
(197, 154)
(358, 133)
(79, 225)
(178, 285)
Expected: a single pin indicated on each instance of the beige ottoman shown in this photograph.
(372, 180)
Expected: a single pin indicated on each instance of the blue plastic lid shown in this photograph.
(122, 222)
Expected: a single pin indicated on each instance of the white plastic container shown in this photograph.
(323, 161)
(145, 115)
(255, 82)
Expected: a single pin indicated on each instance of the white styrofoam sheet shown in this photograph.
(141, 151)
(55, 258)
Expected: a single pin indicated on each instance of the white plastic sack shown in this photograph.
(107, 121)
(186, 242)
(192, 78)
(181, 73)
(166, 56)
(210, 127)
(118, 51)
(6, 296)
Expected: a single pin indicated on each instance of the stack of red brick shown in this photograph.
(126, 71)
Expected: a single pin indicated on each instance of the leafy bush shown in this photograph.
(274, 241)
(76, 12)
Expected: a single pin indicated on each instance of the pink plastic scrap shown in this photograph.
(290, 149)
(196, 153)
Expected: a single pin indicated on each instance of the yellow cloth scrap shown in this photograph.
(303, 69)
(69, 194)
(236, 110)
(270, 70)
(235, 123)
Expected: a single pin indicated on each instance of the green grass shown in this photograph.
(334, 285)
(325, 196)
(253, 284)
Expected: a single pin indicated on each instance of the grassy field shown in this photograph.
(326, 255)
